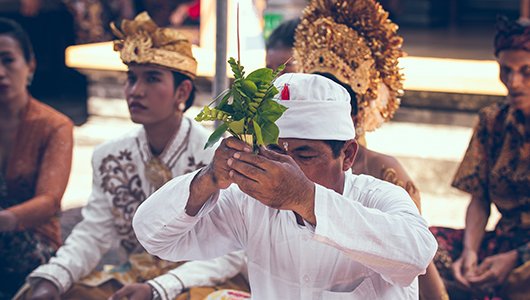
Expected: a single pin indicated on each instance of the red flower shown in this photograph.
(285, 93)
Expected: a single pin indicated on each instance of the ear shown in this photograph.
(32, 64)
(349, 151)
(182, 91)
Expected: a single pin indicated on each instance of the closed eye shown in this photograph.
(307, 157)
(276, 149)
(306, 154)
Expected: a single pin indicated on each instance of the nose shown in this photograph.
(515, 80)
(3, 71)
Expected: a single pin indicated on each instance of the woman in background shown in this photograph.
(36, 145)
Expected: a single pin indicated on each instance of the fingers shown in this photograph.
(248, 170)
(457, 273)
(123, 292)
(469, 267)
(218, 167)
(482, 279)
(45, 290)
(244, 183)
(236, 144)
(484, 267)
(256, 160)
(272, 155)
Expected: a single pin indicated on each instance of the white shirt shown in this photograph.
(119, 186)
(369, 243)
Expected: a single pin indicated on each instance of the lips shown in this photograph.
(516, 94)
(136, 106)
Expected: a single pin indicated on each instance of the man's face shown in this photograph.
(515, 74)
(316, 160)
(150, 94)
(281, 55)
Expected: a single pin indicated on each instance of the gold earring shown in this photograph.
(30, 79)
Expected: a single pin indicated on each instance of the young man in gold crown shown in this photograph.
(127, 170)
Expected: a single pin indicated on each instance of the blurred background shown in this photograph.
(450, 73)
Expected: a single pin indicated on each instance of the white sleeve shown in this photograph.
(165, 230)
(388, 235)
(199, 273)
(84, 247)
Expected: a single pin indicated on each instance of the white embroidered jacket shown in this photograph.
(119, 187)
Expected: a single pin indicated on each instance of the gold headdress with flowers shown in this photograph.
(357, 43)
(142, 41)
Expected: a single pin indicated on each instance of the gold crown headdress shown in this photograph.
(357, 43)
(142, 41)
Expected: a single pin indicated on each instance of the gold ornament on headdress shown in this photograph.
(142, 41)
(357, 43)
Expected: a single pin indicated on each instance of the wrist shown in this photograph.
(469, 250)
(155, 295)
(513, 257)
(306, 206)
(523, 254)
(8, 220)
(202, 187)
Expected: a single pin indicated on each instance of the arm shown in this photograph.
(392, 171)
(477, 215)
(494, 269)
(54, 172)
(165, 229)
(399, 254)
(401, 245)
(84, 247)
(213, 177)
(198, 273)
(172, 221)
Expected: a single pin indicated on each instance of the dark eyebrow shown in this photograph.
(153, 72)
(2, 53)
(303, 148)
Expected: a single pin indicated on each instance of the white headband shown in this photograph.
(317, 108)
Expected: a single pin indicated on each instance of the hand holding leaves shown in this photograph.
(247, 107)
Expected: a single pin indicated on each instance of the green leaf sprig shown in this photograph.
(246, 108)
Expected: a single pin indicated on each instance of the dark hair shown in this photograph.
(511, 35)
(178, 78)
(283, 35)
(13, 29)
(353, 95)
(336, 146)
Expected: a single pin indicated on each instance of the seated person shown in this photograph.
(476, 263)
(127, 170)
(279, 47)
(310, 228)
(36, 144)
